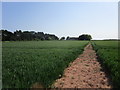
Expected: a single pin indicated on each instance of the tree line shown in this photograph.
(81, 37)
(19, 35)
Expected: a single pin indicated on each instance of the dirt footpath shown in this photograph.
(84, 72)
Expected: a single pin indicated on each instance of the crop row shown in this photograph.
(25, 63)
(107, 52)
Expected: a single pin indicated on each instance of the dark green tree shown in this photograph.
(62, 38)
(6, 35)
(18, 35)
(85, 37)
(67, 38)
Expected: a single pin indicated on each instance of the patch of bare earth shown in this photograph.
(84, 72)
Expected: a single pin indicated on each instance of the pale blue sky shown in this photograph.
(100, 19)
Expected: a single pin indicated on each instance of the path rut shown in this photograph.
(84, 72)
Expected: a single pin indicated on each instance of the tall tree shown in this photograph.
(6, 35)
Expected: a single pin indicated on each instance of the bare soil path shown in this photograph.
(84, 72)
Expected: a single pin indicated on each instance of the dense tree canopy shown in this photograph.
(18, 35)
(85, 37)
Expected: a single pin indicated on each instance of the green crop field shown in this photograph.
(27, 62)
(107, 52)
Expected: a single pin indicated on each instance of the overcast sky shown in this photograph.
(100, 19)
